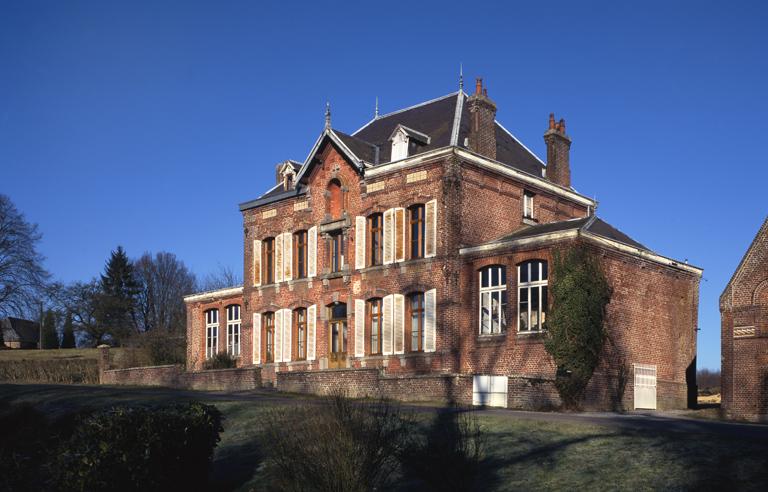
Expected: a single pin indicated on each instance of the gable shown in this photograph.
(750, 277)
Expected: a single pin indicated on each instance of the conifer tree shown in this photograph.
(119, 290)
(50, 337)
(68, 335)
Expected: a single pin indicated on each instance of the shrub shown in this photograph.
(221, 360)
(26, 436)
(448, 455)
(57, 371)
(335, 445)
(139, 448)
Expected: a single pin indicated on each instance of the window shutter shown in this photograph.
(359, 242)
(312, 252)
(430, 229)
(387, 232)
(400, 234)
(256, 262)
(430, 320)
(287, 334)
(278, 258)
(288, 256)
(256, 338)
(278, 341)
(386, 325)
(359, 328)
(398, 318)
(311, 329)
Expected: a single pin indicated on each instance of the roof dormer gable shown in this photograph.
(405, 140)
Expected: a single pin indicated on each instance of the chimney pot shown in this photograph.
(558, 150)
(478, 85)
(551, 121)
(482, 131)
(562, 125)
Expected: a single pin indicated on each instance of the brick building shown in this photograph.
(411, 258)
(744, 335)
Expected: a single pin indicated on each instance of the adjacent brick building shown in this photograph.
(411, 259)
(744, 314)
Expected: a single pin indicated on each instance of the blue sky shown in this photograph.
(145, 123)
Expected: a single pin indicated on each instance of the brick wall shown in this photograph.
(174, 376)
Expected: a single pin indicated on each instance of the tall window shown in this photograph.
(269, 336)
(374, 320)
(211, 333)
(300, 335)
(416, 230)
(300, 252)
(528, 205)
(233, 330)
(376, 245)
(493, 300)
(335, 203)
(532, 298)
(268, 249)
(336, 252)
(416, 312)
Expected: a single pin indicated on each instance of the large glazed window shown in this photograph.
(211, 333)
(269, 336)
(233, 330)
(532, 295)
(300, 254)
(300, 335)
(493, 299)
(416, 231)
(268, 248)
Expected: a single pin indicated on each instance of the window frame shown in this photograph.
(528, 205)
(419, 222)
(268, 260)
(336, 250)
(299, 328)
(300, 253)
(211, 332)
(269, 336)
(377, 334)
(498, 272)
(375, 237)
(234, 330)
(420, 309)
(540, 286)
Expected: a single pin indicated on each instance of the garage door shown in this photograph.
(490, 391)
(645, 386)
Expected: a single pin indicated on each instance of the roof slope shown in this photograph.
(762, 232)
(19, 330)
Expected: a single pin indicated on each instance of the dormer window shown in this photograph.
(399, 146)
(404, 140)
(286, 174)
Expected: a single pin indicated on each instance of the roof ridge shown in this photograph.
(405, 109)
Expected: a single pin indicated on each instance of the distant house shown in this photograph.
(20, 333)
(744, 313)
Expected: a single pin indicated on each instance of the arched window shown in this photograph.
(268, 262)
(374, 323)
(532, 295)
(300, 254)
(300, 333)
(269, 336)
(493, 299)
(416, 231)
(375, 239)
(335, 199)
(211, 333)
(233, 330)
(416, 316)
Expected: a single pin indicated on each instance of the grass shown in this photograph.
(522, 454)
(13, 354)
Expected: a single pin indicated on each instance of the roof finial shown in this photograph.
(461, 76)
(376, 111)
(327, 114)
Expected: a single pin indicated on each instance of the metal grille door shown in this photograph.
(645, 386)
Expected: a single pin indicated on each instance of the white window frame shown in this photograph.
(529, 287)
(233, 330)
(528, 205)
(211, 333)
(496, 287)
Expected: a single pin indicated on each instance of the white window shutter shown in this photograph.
(256, 338)
(430, 320)
(278, 341)
(400, 235)
(279, 258)
(388, 231)
(359, 328)
(386, 325)
(360, 242)
(430, 229)
(398, 321)
(287, 334)
(256, 271)
(288, 256)
(311, 331)
(312, 252)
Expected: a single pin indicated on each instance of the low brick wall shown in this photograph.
(169, 376)
(241, 378)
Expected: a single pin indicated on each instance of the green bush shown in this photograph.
(221, 360)
(139, 448)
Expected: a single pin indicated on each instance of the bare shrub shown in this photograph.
(56, 371)
(221, 360)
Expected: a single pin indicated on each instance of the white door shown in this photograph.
(490, 391)
(645, 386)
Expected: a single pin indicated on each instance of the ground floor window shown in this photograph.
(374, 316)
(416, 311)
(532, 295)
(269, 336)
(300, 321)
(211, 333)
(233, 331)
(493, 300)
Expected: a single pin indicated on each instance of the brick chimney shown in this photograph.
(558, 150)
(482, 129)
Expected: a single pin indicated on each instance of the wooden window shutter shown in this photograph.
(359, 328)
(256, 338)
(400, 235)
(256, 262)
(398, 321)
(388, 233)
(279, 258)
(386, 325)
(311, 331)
(312, 252)
(360, 225)
(278, 335)
(430, 320)
(430, 229)
(287, 334)
(288, 256)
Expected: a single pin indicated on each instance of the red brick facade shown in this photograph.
(744, 335)
(652, 316)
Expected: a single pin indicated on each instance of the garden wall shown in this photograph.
(243, 378)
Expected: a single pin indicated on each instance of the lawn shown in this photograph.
(522, 454)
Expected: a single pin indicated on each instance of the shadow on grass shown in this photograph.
(235, 465)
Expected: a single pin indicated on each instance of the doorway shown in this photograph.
(337, 335)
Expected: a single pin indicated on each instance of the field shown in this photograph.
(525, 451)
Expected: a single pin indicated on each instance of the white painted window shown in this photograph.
(211, 333)
(493, 299)
(528, 204)
(532, 295)
(233, 330)
(399, 146)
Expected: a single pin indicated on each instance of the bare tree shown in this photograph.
(163, 280)
(221, 279)
(22, 276)
(83, 301)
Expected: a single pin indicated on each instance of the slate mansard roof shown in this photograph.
(444, 120)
